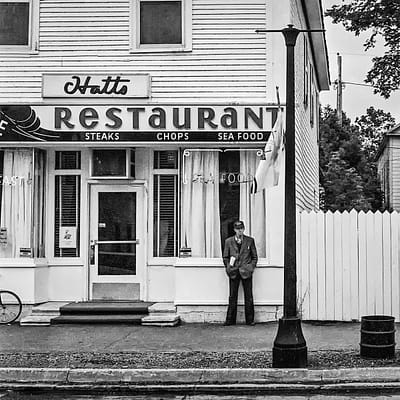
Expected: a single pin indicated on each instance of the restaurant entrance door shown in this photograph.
(117, 242)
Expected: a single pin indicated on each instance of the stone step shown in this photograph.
(42, 314)
(162, 308)
(37, 320)
(134, 319)
(161, 319)
(51, 308)
(105, 308)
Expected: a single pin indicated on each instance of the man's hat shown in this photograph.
(238, 225)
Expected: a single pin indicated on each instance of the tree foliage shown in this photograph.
(347, 159)
(373, 126)
(382, 19)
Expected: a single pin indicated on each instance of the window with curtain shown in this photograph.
(216, 192)
(16, 202)
(39, 200)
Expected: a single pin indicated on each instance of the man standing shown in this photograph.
(240, 259)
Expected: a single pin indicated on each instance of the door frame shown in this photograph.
(141, 233)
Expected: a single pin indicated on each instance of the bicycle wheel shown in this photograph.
(10, 307)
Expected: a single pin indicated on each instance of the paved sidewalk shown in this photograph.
(187, 337)
(201, 358)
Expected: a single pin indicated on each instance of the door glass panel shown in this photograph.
(117, 222)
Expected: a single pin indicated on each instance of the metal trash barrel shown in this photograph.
(377, 336)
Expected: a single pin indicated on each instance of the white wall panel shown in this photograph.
(94, 36)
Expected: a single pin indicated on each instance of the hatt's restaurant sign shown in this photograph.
(136, 123)
(96, 85)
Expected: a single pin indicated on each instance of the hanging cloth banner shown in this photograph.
(267, 173)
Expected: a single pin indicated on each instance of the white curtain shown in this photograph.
(16, 204)
(200, 201)
(252, 206)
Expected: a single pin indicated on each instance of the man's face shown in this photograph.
(239, 231)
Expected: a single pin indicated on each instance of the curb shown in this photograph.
(201, 380)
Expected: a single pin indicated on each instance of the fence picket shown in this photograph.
(370, 262)
(321, 266)
(330, 266)
(338, 265)
(346, 284)
(362, 266)
(395, 260)
(313, 287)
(353, 264)
(377, 268)
(386, 261)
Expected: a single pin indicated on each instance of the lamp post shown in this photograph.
(290, 349)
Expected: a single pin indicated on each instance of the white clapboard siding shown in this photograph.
(227, 61)
(348, 265)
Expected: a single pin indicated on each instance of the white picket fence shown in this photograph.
(348, 265)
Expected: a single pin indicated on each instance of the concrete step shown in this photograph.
(162, 314)
(135, 319)
(42, 314)
(36, 320)
(160, 319)
(164, 308)
(105, 308)
(51, 308)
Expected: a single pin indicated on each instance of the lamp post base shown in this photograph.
(290, 350)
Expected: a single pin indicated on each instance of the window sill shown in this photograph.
(162, 262)
(66, 261)
(21, 262)
(18, 53)
(161, 50)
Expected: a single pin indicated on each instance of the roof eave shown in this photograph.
(315, 18)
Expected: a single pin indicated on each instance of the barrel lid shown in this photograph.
(377, 318)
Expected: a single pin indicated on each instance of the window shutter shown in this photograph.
(165, 216)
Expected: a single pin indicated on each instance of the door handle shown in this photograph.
(92, 252)
(136, 241)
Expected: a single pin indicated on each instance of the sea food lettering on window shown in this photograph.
(235, 177)
(231, 178)
(13, 180)
(200, 178)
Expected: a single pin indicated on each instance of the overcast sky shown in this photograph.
(355, 65)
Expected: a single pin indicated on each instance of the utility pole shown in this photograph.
(339, 88)
(290, 349)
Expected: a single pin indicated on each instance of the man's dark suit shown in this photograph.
(242, 270)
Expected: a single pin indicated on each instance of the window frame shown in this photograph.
(50, 198)
(186, 45)
(33, 31)
(128, 163)
(155, 260)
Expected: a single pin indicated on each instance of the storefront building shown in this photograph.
(130, 134)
